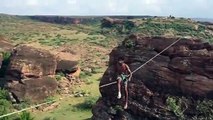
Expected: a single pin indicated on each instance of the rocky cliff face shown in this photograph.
(65, 19)
(183, 71)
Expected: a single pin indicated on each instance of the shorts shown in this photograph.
(123, 78)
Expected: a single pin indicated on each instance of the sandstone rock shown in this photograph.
(33, 89)
(66, 66)
(183, 70)
(110, 22)
(100, 111)
(27, 62)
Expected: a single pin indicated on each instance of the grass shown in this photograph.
(25, 116)
(87, 104)
(5, 105)
(74, 108)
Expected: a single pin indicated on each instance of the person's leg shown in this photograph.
(126, 96)
(119, 87)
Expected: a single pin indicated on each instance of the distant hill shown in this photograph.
(203, 19)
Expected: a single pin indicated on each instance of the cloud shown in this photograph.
(32, 3)
(72, 2)
(185, 8)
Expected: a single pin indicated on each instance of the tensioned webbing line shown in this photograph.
(144, 63)
(25, 109)
(2, 116)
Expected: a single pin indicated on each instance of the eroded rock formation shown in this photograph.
(28, 62)
(67, 66)
(111, 22)
(33, 89)
(29, 74)
(183, 70)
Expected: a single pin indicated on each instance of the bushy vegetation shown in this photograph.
(49, 99)
(59, 76)
(5, 62)
(22, 105)
(85, 74)
(87, 104)
(174, 105)
(129, 44)
(25, 116)
(205, 109)
(5, 105)
(49, 118)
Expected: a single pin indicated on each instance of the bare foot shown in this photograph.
(126, 106)
(119, 95)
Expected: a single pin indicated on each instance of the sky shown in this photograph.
(177, 8)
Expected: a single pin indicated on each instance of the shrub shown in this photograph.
(22, 105)
(25, 116)
(129, 44)
(175, 106)
(205, 108)
(5, 107)
(49, 99)
(4, 94)
(59, 76)
(129, 25)
(85, 74)
(49, 118)
(5, 63)
(87, 104)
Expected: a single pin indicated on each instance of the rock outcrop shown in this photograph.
(65, 19)
(66, 66)
(111, 22)
(184, 70)
(29, 74)
(33, 89)
(28, 62)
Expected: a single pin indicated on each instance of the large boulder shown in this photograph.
(185, 70)
(33, 89)
(66, 66)
(28, 62)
